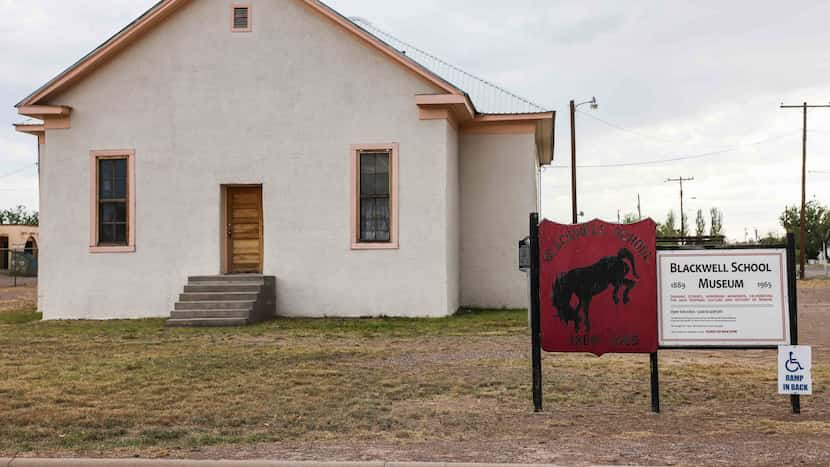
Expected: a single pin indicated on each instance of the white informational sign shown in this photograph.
(795, 364)
(724, 298)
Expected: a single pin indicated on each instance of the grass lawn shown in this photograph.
(455, 388)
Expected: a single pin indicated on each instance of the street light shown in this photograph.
(594, 105)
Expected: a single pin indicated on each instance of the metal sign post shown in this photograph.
(535, 326)
(795, 399)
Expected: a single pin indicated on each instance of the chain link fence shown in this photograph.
(18, 262)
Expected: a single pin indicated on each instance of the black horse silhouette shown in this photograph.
(589, 281)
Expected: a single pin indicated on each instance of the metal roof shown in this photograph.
(487, 97)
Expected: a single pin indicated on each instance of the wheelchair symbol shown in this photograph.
(792, 365)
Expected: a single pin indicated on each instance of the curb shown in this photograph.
(77, 462)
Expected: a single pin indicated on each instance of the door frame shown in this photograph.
(226, 250)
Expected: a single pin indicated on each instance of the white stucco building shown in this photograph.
(277, 137)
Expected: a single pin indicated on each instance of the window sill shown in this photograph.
(375, 246)
(112, 249)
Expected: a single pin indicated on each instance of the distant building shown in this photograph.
(278, 137)
(18, 238)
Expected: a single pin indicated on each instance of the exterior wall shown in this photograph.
(453, 212)
(278, 106)
(498, 191)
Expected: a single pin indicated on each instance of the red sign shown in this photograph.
(598, 287)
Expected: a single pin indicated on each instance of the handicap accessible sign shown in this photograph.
(795, 369)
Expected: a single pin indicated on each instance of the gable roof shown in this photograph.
(164, 8)
(453, 80)
(487, 97)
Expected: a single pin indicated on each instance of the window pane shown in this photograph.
(107, 189)
(121, 212)
(381, 175)
(120, 187)
(120, 167)
(106, 168)
(367, 171)
(374, 219)
(121, 233)
(106, 233)
(107, 212)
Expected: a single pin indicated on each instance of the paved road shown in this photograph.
(814, 270)
(21, 462)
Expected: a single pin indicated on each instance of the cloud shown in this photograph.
(679, 78)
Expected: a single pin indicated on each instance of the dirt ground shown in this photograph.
(23, 296)
(698, 424)
(446, 390)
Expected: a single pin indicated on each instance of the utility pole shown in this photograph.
(682, 217)
(803, 255)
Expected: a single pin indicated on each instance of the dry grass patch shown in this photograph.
(424, 389)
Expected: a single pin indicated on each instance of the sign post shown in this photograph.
(535, 332)
(795, 399)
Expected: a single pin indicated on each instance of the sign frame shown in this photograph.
(792, 298)
(789, 287)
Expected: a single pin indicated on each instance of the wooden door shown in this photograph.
(244, 229)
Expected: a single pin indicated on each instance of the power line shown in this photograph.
(621, 128)
(676, 159)
(15, 172)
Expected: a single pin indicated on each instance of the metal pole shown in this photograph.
(803, 248)
(573, 163)
(535, 318)
(795, 399)
(682, 217)
(655, 384)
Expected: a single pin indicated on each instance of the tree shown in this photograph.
(700, 224)
(630, 218)
(715, 222)
(668, 228)
(684, 225)
(816, 225)
(772, 239)
(18, 216)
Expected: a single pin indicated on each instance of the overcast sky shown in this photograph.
(673, 79)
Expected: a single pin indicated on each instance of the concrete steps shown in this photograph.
(232, 300)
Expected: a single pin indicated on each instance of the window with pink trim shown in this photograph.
(241, 17)
(112, 201)
(374, 196)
